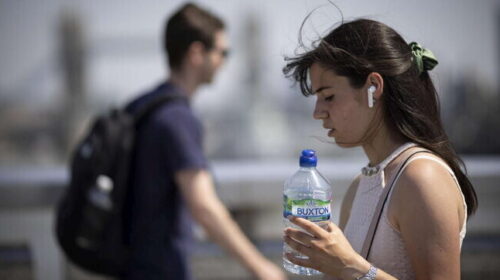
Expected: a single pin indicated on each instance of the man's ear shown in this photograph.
(376, 80)
(195, 53)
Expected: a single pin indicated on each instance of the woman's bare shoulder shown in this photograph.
(428, 188)
(425, 177)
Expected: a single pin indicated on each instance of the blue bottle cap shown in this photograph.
(308, 158)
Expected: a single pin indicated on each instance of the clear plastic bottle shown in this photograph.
(96, 213)
(307, 194)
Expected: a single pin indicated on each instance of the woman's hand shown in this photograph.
(328, 249)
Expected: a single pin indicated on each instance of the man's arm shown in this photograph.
(198, 191)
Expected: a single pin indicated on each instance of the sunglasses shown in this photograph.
(223, 52)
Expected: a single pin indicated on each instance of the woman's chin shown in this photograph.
(345, 144)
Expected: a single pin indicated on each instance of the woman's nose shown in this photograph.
(320, 113)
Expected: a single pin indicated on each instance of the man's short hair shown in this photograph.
(189, 24)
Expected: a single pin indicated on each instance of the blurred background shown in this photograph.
(62, 62)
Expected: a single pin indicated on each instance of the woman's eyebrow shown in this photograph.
(321, 89)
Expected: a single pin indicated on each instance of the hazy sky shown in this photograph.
(123, 39)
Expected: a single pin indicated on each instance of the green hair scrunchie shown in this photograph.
(424, 58)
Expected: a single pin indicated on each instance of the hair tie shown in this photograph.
(423, 58)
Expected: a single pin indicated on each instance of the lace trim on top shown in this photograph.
(370, 171)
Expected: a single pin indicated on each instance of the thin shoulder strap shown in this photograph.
(365, 251)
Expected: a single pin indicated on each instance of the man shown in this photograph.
(170, 174)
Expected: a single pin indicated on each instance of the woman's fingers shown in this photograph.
(309, 226)
(297, 246)
(331, 227)
(300, 236)
(299, 261)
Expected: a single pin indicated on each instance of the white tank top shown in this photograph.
(388, 251)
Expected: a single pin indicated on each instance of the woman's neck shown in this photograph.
(381, 146)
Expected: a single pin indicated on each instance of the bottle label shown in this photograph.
(315, 210)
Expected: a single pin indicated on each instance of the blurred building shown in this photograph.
(89, 59)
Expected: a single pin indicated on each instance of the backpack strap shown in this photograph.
(146, 109)
(365, 251)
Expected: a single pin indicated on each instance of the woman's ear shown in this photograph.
(375, 79)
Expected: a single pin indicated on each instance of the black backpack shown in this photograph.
(90, 225)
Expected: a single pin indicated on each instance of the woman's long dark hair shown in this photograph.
(410, 101)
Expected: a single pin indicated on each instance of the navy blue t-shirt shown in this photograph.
(168, 141)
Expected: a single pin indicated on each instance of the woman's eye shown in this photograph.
(329, 98)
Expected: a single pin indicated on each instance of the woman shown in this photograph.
(373, 90)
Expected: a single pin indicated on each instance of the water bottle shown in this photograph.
(307, 194)
(96, 213)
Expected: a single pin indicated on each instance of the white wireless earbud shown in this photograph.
(371, 90)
